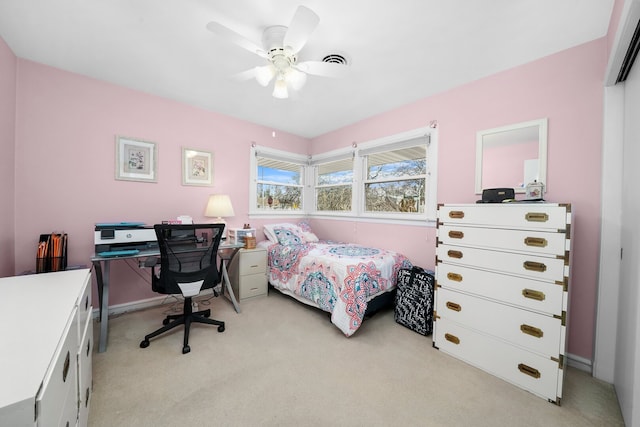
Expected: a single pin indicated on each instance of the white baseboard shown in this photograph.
(140, 304)
(131, 306)
(579, 363)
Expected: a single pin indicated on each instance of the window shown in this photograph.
(334, 185)
(392, 178)
(395, 180)
(279, 183)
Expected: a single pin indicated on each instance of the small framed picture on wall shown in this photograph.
(136, 160)
(197, 167)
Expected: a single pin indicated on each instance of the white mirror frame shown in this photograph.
(542, 150)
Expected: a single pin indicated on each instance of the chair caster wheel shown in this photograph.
(186, 349)
(221, 328)
(144, 343)
(165, 322)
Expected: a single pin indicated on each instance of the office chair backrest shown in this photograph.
(187, 254)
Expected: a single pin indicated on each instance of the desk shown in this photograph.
(226, 251)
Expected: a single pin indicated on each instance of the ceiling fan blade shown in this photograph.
(233, 37)
(244, 75)
(325, 69)
(301, 27)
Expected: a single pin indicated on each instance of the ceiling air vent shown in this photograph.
(335, 58)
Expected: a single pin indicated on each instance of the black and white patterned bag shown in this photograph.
(414, 299)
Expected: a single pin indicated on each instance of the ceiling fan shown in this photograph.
(280, 47)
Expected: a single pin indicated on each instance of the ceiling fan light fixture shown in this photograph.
(280, 89)
(264, 74)
(296, 78)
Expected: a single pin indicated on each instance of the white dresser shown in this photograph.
(47, 343)
(501, 297)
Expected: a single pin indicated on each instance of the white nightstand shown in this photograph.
(248, 273)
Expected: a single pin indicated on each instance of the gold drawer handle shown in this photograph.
(535, 266)
(453, 306)
(456, 214)
(531, 330)
(65, 368)
(454, 254)
(536, 217)
(528, 370)
(455, 277)
(452, 338)
(538, 242)
(456, 234)
(531, 294)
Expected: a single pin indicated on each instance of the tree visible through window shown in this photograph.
(279, 184)
(334, 185)
(395, 180)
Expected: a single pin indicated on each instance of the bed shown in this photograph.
(345, 280)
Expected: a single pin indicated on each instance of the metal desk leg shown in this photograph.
(103, 295)
(227, 283)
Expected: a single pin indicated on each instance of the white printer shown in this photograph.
(124, 236)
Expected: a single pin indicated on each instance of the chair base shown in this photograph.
(187, 317)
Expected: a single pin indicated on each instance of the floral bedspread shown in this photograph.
(338, 278)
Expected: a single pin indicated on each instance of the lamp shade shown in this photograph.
(219, 206)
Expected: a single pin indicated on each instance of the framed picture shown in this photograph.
(197, 167)
(136, 160)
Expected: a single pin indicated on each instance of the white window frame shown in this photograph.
(329, 157)
(309, 165)
(284, 156)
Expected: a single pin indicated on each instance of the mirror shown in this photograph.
(512, 156)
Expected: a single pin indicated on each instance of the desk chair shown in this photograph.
(187, 266)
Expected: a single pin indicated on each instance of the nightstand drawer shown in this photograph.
(253, 285)
(252, 261)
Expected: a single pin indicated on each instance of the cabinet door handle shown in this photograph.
(454, 277)
(531, 330)
(87, 393)
(528, 370)
(539, 242)
(452, 338)
(88, 347)
(454, 254)
(453, 306)
(86, 303)
(65, 368)
(536, 217)
(535, 266)
(456, 214)
(531, 294)
(456, 234)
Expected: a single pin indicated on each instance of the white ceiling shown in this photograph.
(399, 51)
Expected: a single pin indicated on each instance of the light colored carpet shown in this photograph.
(281, 363)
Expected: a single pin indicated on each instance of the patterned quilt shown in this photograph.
(338, 278)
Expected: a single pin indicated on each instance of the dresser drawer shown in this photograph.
(533, 266)
(253, 285)
(513, 215)
(530, 241)
(84, 307)
(85, 374)
(252, 262)
(541, 296)
(540, 333)
(537, 374)
(61, 379)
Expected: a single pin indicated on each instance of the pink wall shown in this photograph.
(7, 168)
(567, 88)
(65, 149)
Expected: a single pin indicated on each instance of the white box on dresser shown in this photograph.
(45, 325)
(501, 297)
